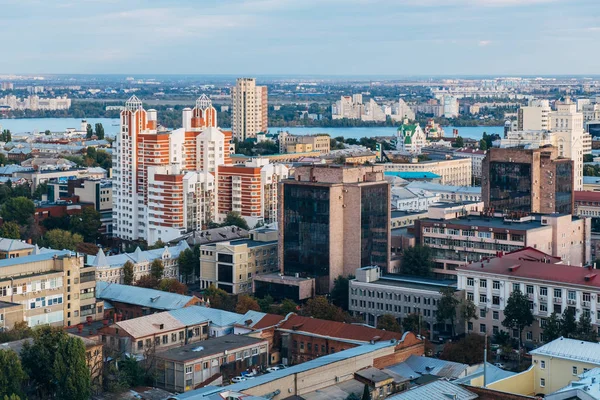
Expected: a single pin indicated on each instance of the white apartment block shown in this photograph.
(550, 286)
(250, 106)
(450, 106)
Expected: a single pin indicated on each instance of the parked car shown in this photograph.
(281, 366)
(272, 369)
(238, 379)
(499, 365)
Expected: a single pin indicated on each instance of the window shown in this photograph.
(482, 298)
(482, 328)
(496, 285)
(543, 306)
(542, 382)
(542, 364)
(181, 335)
(495, 329)
(173, 337)
(189, 369)
(496, 300)
(482, 313)
(529, 335)
(140, 344)
(483, 283)
(586, 297)
(470, 282)
(529, 289)
(543, 291)
(572, 295)
(496, 315)
(165, 339)
(574, 370)
(301, 345)
(470, 296)
(470, 326)
(558, 293)
(516, 286)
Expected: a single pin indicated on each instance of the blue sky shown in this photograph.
(326, 37)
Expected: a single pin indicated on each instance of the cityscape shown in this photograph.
(308, 208)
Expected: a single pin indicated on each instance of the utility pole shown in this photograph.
(485, 362)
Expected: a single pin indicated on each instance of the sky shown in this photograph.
(303, 37)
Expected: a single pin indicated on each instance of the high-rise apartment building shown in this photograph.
(164, 181)
(535, 116)
(250, 189)
(536, 180)
(250, 106)
(334, 219)
(450, 107)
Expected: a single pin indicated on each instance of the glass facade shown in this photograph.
(306, 231)
(510, 186)
(374, 222)
(564, 188)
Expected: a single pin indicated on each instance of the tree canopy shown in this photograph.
(12, 375)
(187, 264)
(319, 307)
(246, 303)
(157, 268)
(517, 314)
(417, 260)
(339, 293)
(87, 224)
(17, 209)
(389, 323)
(447, 307)
(234, 218)
(128, 273)
(10, 230)
(59, 239)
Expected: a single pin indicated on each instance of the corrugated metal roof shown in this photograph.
(437, 367)
(191, 315)
(150, 324)
(138, 256)
(437, 390)
(571, 349)
(493, 374)
(141, 296)
(282, 373)
(13, 245)
(33, 258)
(200, 313)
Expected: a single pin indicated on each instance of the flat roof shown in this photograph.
(454, 204)
(209, 347)
(570, 349)
(9, 262)
(403, 213)
(248, 242)
(432, 285)
(489, 222)
(8, 304)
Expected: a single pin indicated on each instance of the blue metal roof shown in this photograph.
(413, 174)
(492, 373)
(141, 296)
(440, 389)
(34, 258)
(200, 313)
(282, 373)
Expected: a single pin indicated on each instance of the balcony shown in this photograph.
(586, 303)
(557, 300)
(542, 313)
(571, 302)
(543, 298)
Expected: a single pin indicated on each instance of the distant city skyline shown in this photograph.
(301, 37)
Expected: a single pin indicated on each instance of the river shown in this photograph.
(28, 125)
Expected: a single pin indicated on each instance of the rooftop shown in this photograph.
(415, 366)
(199, 314)
(402, 213)
(570, 349)
(209, 347)
(437, 187)
(437, 390)
(340, 330)
(585, 388)
(150, 324)
(490, 222)
(139, 296)
(14, 245)
(138, 256)
(413, 175)
(247, 242)
(587, 196)
(9, 262)
(433, 285)
(517, 266)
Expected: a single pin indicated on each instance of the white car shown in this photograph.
(499, 365)
(272, 369)
(238, 379)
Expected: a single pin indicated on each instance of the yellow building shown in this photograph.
(232, 265)
(53, 288)
(455, 171)
(12, 248)
(554, 366)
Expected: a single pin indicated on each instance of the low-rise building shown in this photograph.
(232, 265)
(188, 367)
(13, 248)
(372, 295)
(584, 386)
(110, 268)
(455, 171)
(469, 238)
(549, 285)
(53, 287)
(10, 314)
(303, 143)
(282, 287)
(591, 184)
(448, 193)
(133, 301)
(407, 199)
(476, 156)
(403, 219)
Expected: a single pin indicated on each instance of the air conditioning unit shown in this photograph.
(47, 310)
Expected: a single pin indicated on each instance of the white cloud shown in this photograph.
(484, 43)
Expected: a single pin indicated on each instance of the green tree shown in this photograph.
(159, 244)
(288, 306)
(467, 310)
(389, 323)
(40, 190)
(157, 268)
(89, 132)
(99, 131)
(517, 314)
(47, 132)
(10, 230)
(62, 240)
(132, 371)
(483, 145)
(468, 350)
(219, 298)
(12, 375)
(187, 264)
(553, 327)
(128, 273)
(196, 259)
(339, 293)
(234, 218)
(266, 303)
(412, 323)
(56, 364)
(6, 136)
(319, 307)
(147, 281)
(172, 285)
(447, 306)
(459, 142)
(417, 260)
(17, 209)
(12, 397)
(246, 303)
(87, 224)
(585, 331)
(569, 323)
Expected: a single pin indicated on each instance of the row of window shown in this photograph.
(529, 289)
(394, 296)
(475, 233)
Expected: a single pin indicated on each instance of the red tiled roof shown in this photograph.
(531, 254)
(268, 320)
(556, 273)
(336, 329)
(587, 196)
